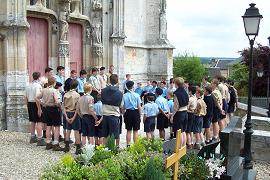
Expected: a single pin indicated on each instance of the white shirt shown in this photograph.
(33, 90)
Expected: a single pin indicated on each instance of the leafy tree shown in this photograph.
(189, 67)
(239, 74)
(261, 58)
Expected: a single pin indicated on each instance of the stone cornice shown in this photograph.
(149, 46)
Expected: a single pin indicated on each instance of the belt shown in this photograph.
(131, 109)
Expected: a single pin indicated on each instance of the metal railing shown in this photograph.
(256, 101)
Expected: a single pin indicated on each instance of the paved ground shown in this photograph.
(20, 160)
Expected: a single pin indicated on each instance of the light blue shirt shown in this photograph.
(98, 108)
(153, 90)
(61, 80)
(171, 89)
(151, 109)
(131, 100)
(81, 83)
(139, 90)
(148, 88)
(164, 94)
(170, 103)
(162, 104)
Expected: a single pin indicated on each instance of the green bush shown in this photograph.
(153, 170)
(101, 154)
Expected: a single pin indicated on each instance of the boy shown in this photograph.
(154, 87)
(60, 76)
(81, 81)
(94, 81)
(103, 78)
(128, 78)
(58, 87)
(217, 109)
(89, 118)
(71, 119)
(171, 86)
(164, 89)
(179, 116)
(151, 111)
(163, 116)
(52, 115)
(99, 132)
(207, 120)
(233, 103)
(73, 75)
(191, 117)
(170, 104)
(200, 112)
(32, 91)
(139, 89)
(44, 79)
(132, 108)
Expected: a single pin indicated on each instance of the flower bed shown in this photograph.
(142, 160)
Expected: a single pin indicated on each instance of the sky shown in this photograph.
(213, 28)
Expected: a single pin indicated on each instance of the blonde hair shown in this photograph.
(179, 81)
(170, 94)
(51, 81)
(87, 88)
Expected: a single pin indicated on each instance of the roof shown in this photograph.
(214, 71)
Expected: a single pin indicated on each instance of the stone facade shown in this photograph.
(131, 35)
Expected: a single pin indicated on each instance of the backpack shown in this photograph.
(232, 95)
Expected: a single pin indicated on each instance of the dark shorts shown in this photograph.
(149, 124)
(225, 108)
(52, 115)
(111, 126)
(132, 120)
(231, 108)
(75, 125)
(197, 124)
(120, 124)
(191, 118)
(180, 121)
(216, 115)
(207, 122)
(99, 130)
(94, 95)
(162, 121)
(88, 125)
(33, 112)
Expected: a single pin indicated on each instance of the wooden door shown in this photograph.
(75, 39)
(37, 45)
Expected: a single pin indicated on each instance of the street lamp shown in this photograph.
(268, 81)
(251, 20)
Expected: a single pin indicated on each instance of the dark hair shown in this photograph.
(36, 75)
(208, 89)
(130, 85)
(102, 68)
(215, 81)
(230, 82)
(171, 80)
(159, 91)
(192, 89)
(94, 69)
(73, 71)
(155, 82)
(163, 82)
(99, 97)
(150, 98)
(83, 72)
(127, 75)
(48, 69)
(57, 85)
(59, 68)
(73, 84)
(220, 78)
(114, 79)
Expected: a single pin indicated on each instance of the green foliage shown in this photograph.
(111, 143)
(101, 154)
(189, 67)
(239, 74)
(193, 167)
(86, 156)
(152, 172)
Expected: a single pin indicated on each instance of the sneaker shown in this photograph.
(49, 146)
(56, 147)
(70, 141)
(41, 142)
(33, 140)
(78, 149)
(67, 148)
(61, 139)
(215, 139)
(197, 146)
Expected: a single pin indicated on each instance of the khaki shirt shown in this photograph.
(71, 99)
(217, 98)
(103, 81)
(176, 107)
(201, 108)
(192, 104)
(108, 77)
(32, 91)
(85, 104)
(224, 90)
(48, 97)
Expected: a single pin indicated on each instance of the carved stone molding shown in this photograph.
(119, 41)
(97, 50)
(96, 5)
(63, 49)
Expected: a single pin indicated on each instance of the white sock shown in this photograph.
(55, 142)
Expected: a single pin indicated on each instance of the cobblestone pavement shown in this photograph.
(21, 160)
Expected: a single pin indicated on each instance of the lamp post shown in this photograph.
(251, 20)
(268, 81)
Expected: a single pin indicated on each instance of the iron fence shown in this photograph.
(256, 101)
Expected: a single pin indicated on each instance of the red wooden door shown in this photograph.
(37, 45)
(75, 39)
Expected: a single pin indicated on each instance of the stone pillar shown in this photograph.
(118, 38)
(13, 29)
(63, 46)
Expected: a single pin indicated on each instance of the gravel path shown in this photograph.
(21, 160)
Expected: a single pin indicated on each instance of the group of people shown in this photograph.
(95, 107)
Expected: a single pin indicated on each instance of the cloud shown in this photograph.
(212, 28)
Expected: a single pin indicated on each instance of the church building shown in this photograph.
(78, 34)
